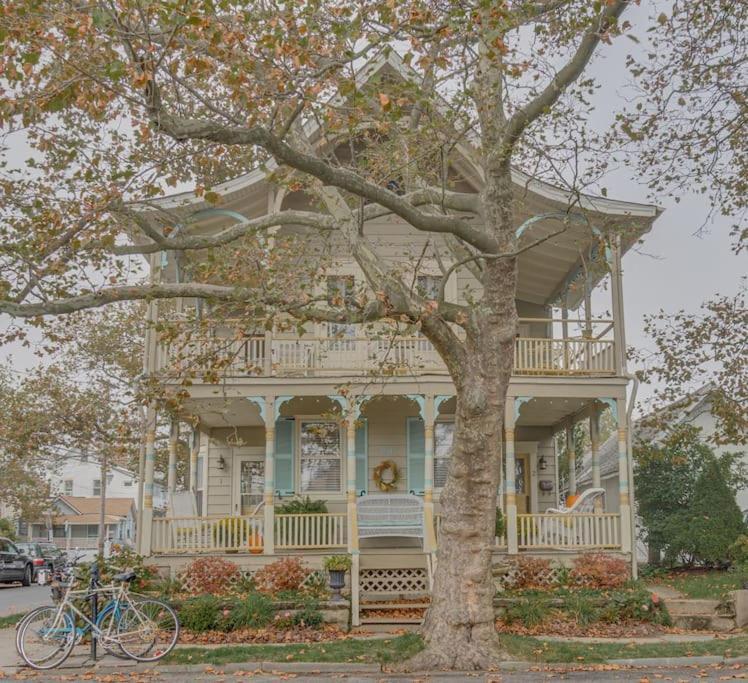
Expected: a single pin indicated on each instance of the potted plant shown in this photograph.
(337, 566)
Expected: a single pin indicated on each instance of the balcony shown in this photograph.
(223, 356)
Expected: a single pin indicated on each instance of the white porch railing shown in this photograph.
(206, 534)
(320, 356)
(310, 531)
(572, 530)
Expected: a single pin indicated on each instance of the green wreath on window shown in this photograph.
(386, 482)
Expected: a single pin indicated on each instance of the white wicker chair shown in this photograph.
(562, 534)
(584, 503)
(385, 515)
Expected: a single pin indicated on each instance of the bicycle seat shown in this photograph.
(124, 576)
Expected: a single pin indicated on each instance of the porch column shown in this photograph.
(623, 477)
(171, 478)
(144, 533)
(571, 456)
(595, 453)
(194, 452)
(510, 489)
(350, 488)
(429, 418)
(350, 476)
(616, 290)
(269, 490)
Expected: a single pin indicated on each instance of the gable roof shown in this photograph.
(116, 507)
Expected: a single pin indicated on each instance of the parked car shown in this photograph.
(14, 565)
(43, 556)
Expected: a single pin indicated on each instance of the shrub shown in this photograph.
(582, 609)
(302, 506)
(201, 613)
(255, 611)
(738, 552)
(287, 574)
(337, 563)
(529, 612)
(211, 575)
(634, 605)
(309, 616)
(7, 528)
(499, 526)
(598, 570)
(532, 572)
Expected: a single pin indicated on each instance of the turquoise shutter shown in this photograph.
(362, 464)
(416, 455)
(284, 440)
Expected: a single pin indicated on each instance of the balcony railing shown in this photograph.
(569, 531)
(268, 356)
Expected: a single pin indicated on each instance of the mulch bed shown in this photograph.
(326, 633)
(559, 626)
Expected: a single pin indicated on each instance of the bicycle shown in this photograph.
(131, 623)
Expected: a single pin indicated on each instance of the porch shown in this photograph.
(330, 448)
(544, 347)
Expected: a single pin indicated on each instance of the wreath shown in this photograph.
(386, 482)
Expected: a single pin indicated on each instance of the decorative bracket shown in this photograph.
(421, 401)
(280, 401)
(612, 404)
(519, 401)
(342, 401)
(438, 400)
(358, 404)
(259, 401)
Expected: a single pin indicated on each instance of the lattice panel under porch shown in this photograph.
(414, 580)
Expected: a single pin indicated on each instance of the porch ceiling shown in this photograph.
(546, 412)
(224, 412)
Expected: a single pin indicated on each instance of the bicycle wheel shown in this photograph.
(46, 638)
(107, 624)
(147, 630)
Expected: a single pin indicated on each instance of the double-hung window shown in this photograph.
(443, 439)
(340, 294)
(320, 456)
(96, 487)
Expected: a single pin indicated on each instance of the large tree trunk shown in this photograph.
(459, 629)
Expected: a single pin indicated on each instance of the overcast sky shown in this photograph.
(674, 269)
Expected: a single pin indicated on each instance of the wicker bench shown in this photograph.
(385, 515)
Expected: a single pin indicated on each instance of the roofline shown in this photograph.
(605, 205)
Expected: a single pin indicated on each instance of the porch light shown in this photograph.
(542, 463)
(221, 464)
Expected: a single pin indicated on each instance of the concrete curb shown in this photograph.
(344, 668)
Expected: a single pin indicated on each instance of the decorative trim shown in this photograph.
(342, 401)
(259, 401)
(438, 400)
(358, 404)
(519, 401)
(421, 401)
(280, 401)
(612, 404)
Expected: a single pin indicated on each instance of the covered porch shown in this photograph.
(338, 449)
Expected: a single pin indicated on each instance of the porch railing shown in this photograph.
(206, 534)
(572, 530)
(231, 356)
(310, 531)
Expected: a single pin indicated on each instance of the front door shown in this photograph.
(249, 482)
(522, 483)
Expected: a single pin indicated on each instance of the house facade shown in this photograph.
(339, 413)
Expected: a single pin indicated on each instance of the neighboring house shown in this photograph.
(80, 476)
(696, 410)
(278, 427)
(73, 522)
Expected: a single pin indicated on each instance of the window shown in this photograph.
(340, 293)
(428, 286)
(320, 460)
(443, 438)
(68, 487)
(127, 482)
(96, 487)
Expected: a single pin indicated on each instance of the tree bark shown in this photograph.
(459, 629)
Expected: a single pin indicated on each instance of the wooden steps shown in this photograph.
(392, 612)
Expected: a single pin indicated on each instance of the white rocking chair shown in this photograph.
(564, 533)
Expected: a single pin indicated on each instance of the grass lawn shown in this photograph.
(710, 585)
(401, 647)
(11, 620)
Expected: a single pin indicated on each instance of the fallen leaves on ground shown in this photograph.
(265, 635)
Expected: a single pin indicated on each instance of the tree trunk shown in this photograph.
(102, 510)
(459, 629)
